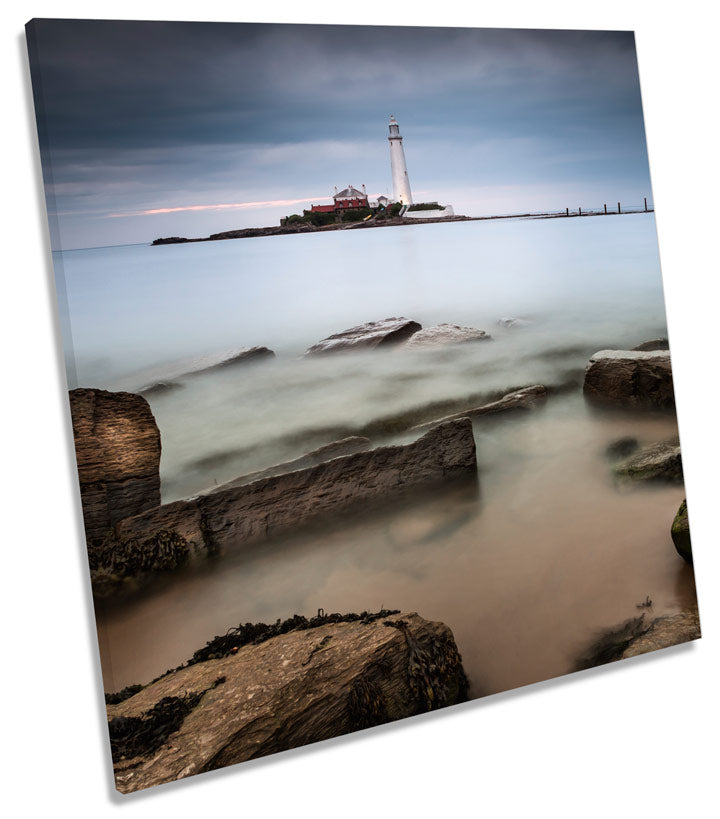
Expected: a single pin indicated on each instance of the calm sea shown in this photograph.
(525, 572)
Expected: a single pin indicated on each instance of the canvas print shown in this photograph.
(368, 372)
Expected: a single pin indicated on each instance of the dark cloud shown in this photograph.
(154, 110)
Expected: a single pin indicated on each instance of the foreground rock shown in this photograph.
(347, 446)
(640, 636)
(680, 533)
(443, 334)
(117, 446)
(368, 336)
(300, 687)
(659, 462)
(630, 378)
(665, 632)
(236, 515)
(523, 399)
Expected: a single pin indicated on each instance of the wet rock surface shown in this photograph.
(250, 354)
(347, 446)
(622, 448)
(640, 635)
(235, 515)
(523, 399)
(658, 462)
(654, 344)
(630, 378)
(293, 689)
(664, 632)
(680, 532)
(117, 446)
(443, 334)
(371, 335)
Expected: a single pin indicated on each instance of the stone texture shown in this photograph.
(680, 532)
(117, 446)
(630, 378)
(665, 632)
(443, 334)
(294, 689)
(347, 446)
(658, 462)
(270, 506)
(367, 336)
(524, 399)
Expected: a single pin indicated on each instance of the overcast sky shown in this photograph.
(164, 129)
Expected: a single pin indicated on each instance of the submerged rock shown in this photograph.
(300, 687)
(513, 322)
(680, 533)
(235, 515)
(659, 462)
(250, 354)
(443, 334)
(160, 388)
(630, 378)
(523, 399)
(117, 446)
(655, 344)
(622, 448)
(367, 336)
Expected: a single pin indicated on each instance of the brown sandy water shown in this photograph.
(525, 568)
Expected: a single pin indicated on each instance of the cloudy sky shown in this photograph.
(154, 129)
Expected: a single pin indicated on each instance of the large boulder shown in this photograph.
(658, 462)
(367, 336)
(293, 689)
(444, 334)
(117, 447)
(275, 505)
(630, 378)
(523, 399)
(680, 532)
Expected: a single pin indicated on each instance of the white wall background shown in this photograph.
(635, 740)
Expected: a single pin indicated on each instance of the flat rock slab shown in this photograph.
(294, 689)
(524, 399)
(346, 446)
(367, 336)
(658, 462)
(443, 334)
(117, 446)
(630, 378)
(270, 506)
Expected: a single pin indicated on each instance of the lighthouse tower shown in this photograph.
(401, 183)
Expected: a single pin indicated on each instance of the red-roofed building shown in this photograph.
(344, 200)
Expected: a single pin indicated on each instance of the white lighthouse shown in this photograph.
(401, 183)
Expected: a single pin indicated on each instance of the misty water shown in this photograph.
(524, 567)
